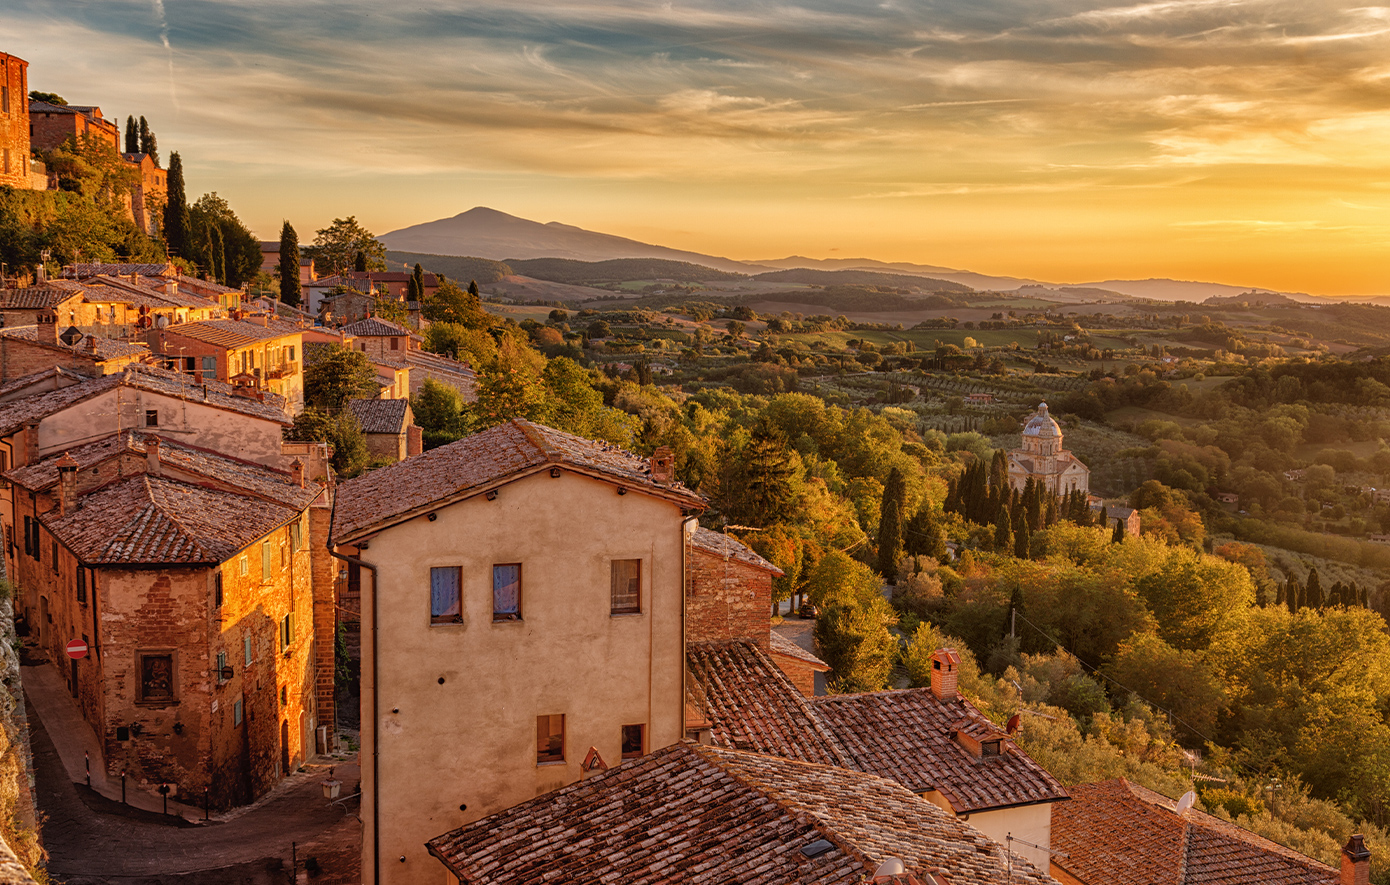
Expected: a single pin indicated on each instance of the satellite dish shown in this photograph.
(891, 867)
(1186, 802)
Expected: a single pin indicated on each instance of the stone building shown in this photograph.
(521, 620)
(148, 197)
(52, 124)
(1043, 459)
(389, 427)
(105, 306)
(189, 576)
(25, 350)
(14, 121)
(264, 351)
(392, 344)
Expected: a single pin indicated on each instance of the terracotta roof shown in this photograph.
(373, 327)
(752, 705)
(909, 736)
(380, 415)
(36, 297)
(144, 270)
(234, 333)
(454, 471)
(729, 548)
(106, 348)
(222, 471)
(781, 645)
(14, 414)
(150, 520)
(697, 814)
(57, 375)
(1119, 833)
(150, 290)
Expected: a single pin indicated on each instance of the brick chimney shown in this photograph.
(91, 344)
(663, 465)
(1356, 862)
(297, 472)
(67, 484)
(152, 466)
(31, 442)
(171, 287)
(48, 328)
(945, 670)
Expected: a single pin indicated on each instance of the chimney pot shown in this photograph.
(945, 671)
(152, 465)
(67, 483)
(91, 344)
(48, 328)
(297, 472)
(663, 465)
(1356, 862)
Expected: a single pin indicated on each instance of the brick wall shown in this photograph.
(49, 130)
(726, 599)
(19, 358)
(325, 577)
(14, 121)
(801, 674)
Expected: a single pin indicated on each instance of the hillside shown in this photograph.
(455, 267)
(811, 277)
(499, 236)
(617, 270)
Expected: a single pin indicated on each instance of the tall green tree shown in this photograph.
(439, 410)
(890, 525)
(417, 284)
(291, 290)
(337, 375)
(132, 136)
(219, 242)
(148, 143)
(853, 628)
(760, 490)
(176, 213)
(335, 248)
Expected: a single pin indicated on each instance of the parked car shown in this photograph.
(807, 610)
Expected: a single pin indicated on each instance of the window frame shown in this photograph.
(641, 742)
(152, 417)
(141, 656)
(548, 721)
(456, 615)
(632, 608)
(502, 617)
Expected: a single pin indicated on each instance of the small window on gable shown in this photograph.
(244, 566)
(209, 365)
(990, 748)
(506, 592)
(446, 601)
(550, 738)
(395, 344)
(634, 741)
(626, 595)
(152, 417)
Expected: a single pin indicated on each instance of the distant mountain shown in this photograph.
(488, 233)
(1188, 290)
(979, 281)
(616, 270)
(859, 277)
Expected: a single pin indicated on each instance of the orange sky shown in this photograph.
(1242, 141)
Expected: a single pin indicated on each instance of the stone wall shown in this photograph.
(14, 122)
(726, 599)
(20, 851)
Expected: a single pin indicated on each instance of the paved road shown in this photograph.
(93, 841)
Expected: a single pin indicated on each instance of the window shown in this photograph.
(627, 586)
(246, 649)
(221, 666)
(395, 344)
(28, 536)
(209, 365)
(506, 592)
(55, 557)
(157, 685)
(81, 585)
(265, 560)
(290, 350)
(236, 712)
(446, 603)
(152, 417)
(634, 743)
(217, 589)
(550, 738)
(989, 748)
(296, 536)
(244, 566)
(287, 631)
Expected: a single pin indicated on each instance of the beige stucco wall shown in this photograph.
(1031, 823)
(248, 437)
(471, 739)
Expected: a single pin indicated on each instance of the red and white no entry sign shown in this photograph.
(77, 649)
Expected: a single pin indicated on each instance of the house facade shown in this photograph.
(14, 121)
(1043, 460)
(264, 349)
(52, 124)
(521, 621)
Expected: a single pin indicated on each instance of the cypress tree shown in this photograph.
(1003, 533)
(890, 525)
(1312, 590)
(148, 145)
(1022, 537)
(1104, 518)
(417, 284)
(922, 536)
(176, 220)
(132, 136)
(1051, 518)
(1118, 536)
(290, 289)
(473, 289)
(359, 263)
(1032, 504)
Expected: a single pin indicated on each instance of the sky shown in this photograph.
(1235, 141)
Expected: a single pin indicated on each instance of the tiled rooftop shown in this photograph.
(730, 548)
(1119, 833)
(189, 463)
(151, 520)
(781, 645)
(440, 475)
(751, 705)
(91, 270)
(235, 333)
(106, 348)
(693, 814)
(36, 297)
(908, 736)
(380, 415)
(15, 413)
(372, 327)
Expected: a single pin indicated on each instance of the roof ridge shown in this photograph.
(1187, 829)
(192, 535)
(535, 437)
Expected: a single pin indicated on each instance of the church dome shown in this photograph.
(1041, 425)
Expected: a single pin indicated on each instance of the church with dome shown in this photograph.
(1044, 460)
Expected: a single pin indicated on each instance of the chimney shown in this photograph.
(297, 472)
(67, 486)
(40, 273)
(663, 463)
(945, 669)
(171, 287)
(48, 328)
(1356, 862)
(31, 442)
(91, 344)
(152, 468)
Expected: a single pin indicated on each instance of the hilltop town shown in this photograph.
(335, 562)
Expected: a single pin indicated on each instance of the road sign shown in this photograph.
(77, 649)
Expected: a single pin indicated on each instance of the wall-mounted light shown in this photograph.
(554, 473)
(621, 490)
(433, 517)
(492, 495)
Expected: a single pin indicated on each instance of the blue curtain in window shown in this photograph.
(506, 589)
(444, 592)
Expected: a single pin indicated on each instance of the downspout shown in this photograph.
(376, 690)
(684, 591)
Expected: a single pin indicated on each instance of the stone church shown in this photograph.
(1043, 458)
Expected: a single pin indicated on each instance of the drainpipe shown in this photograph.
(685, 542)
(376, 691)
